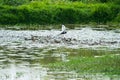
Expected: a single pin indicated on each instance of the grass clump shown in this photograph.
(89, 61)
(105, 64)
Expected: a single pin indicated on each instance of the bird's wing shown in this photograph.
(63, 28)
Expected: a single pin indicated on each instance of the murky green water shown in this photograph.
(24, 58)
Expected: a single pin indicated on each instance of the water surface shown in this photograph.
(23, 53)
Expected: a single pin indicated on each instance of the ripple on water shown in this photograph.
(42, 38)
(22, 59)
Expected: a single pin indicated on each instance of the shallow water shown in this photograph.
(85, 37)
(23, 53)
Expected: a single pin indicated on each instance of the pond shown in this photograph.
(24, 53)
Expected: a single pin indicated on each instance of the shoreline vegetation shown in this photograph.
(47, 12)
(89, 61)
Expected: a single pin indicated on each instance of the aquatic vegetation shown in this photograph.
(88, 61)
(108, 64)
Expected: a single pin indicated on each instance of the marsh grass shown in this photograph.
(89, 61)
(105, 64)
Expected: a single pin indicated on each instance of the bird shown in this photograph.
(63, 30)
